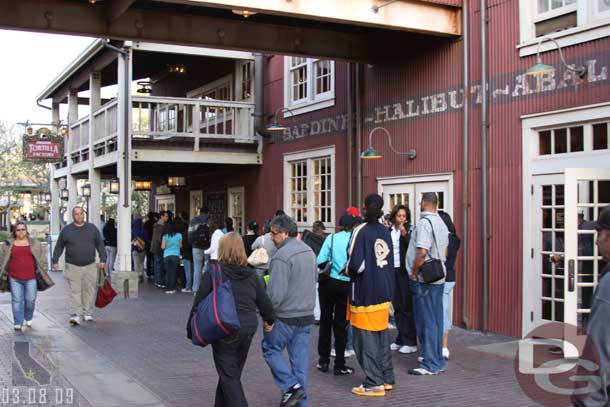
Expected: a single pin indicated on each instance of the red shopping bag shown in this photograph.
(105, 295)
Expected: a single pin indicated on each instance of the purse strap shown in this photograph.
(433, 237)
(332, 241)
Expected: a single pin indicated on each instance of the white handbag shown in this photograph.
(259, 257)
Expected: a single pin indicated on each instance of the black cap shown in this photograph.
(347, 221)
(603, 220)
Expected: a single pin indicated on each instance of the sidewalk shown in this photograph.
(136, 354)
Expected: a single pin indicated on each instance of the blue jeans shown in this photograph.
(23, 293)
(199, 260)
(188, 273)
(296, 340)
(428, 308)
(447, 305)
(159, 270)
(350, 337)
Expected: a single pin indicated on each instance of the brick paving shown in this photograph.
(145, 338)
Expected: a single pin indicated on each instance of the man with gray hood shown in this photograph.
(292, 290)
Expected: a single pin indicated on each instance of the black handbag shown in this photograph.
(324, 272)
(432, 270)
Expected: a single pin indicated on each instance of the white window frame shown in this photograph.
(311, 155)
(239, 80)
(313, 101)
(210, 86)
(590, 26)
(534, 164)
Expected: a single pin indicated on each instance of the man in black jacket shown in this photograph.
(315, 238)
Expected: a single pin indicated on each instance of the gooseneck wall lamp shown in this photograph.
(541, 68)
(275, 125)
(371, 153)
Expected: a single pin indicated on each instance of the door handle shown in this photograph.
(571, 276)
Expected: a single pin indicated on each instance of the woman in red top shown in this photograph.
(21, 258)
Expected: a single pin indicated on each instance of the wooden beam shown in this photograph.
(116, 8)
(81, 18)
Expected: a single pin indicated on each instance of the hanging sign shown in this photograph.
(43, 146)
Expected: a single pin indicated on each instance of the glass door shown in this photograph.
(587, 193)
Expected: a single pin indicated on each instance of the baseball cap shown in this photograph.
(347, 221)
(352, 210)
(603, 220)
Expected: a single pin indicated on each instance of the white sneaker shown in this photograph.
(405, 350)
(394, 347)
(446, 353)
(29, 323)
(17, 327)
(333, 353)
(186, 290)
(349, 353)
(88, 318)
(75, 320)
(420, 359)
(170, 292)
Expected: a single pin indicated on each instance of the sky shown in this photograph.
(30, 61)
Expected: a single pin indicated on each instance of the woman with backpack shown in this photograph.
(171, 244)
(452, 250)
(230, 353)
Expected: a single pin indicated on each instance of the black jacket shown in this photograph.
(404, 245)
(314, 241)
(452, 250)
(248, 291)
(110, 236)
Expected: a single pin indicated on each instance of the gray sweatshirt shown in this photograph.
(292, 282)
(80, 243)
(598, 342)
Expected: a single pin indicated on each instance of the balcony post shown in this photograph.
(95, 85)
(123, 262)
(196, 124)
(53, 183)
(71, 179)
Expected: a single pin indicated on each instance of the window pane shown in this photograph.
(576, 139)
(559, 199)
(561, 141)
(603, 6)
(543, 6)
(545, 142)
(600, 136)
(547, 195)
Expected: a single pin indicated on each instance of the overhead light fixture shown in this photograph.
(540, 68)
(64, 194)
(115, 186)
(86, 191)
(275, 125)
(142, 185)
(145, 87)
(244, 13)
(371, 153)
(176, 181)
(177, 69)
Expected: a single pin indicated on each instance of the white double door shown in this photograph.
(408, 192)
(563, 207)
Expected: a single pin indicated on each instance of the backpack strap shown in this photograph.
(433, 237)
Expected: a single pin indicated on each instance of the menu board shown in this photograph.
(216, 203)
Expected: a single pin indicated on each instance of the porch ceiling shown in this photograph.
(365, 36)
(142, 170)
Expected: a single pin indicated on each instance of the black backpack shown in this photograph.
(201, 237)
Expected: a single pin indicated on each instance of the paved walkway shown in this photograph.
(136, 354)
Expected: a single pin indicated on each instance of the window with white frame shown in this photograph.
(574, 138)
(309, 193)
(309, 84)
(570, 22)
(244, 72)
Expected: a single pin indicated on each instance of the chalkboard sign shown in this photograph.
(216, 203)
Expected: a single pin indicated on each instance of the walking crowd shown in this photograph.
(374, 271)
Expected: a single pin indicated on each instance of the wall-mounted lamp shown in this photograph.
(275, 125)
(29, 130)
(142, 185)
(176, 181)
(541, 68)
(177, 69)
(86, 190)
(387, 3)
(63, 131)
(64, 194)
(144, 87)
(115, 186)
(244, 13)
(371, 153)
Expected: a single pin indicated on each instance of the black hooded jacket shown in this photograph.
(249, 293)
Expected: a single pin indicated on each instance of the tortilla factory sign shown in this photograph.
(43, 147)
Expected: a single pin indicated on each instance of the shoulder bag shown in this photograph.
(259, 257)
(324, 272)
(432, 270)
